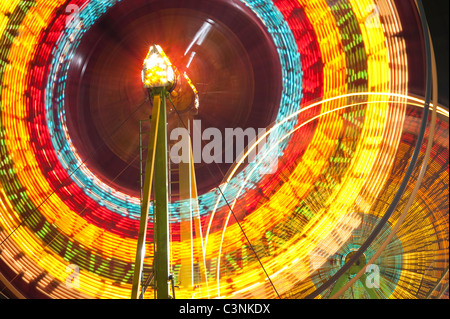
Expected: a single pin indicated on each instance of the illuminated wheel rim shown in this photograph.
(56, 212)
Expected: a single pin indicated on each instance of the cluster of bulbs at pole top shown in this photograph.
(157, 70)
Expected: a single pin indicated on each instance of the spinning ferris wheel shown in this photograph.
(339, 188)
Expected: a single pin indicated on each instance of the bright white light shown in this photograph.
(201, 35)
(157, 69)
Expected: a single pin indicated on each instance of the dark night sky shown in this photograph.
(437, 12)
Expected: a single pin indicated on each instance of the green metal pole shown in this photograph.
(354, 269)
(161, 201)
(370, 291)
(339, 283)
(149, 169)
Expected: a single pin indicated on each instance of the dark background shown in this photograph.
(437, 12)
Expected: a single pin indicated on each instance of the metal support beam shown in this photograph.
(161, 196)
(354, 269)
(190, 225)
(186, 276)
(156, 166)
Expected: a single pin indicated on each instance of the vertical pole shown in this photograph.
(197, 225)
(343, 280)
(190, 225)
(185, 192)
(161, 199)
(149, 169)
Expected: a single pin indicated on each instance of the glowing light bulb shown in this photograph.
(157, 69)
